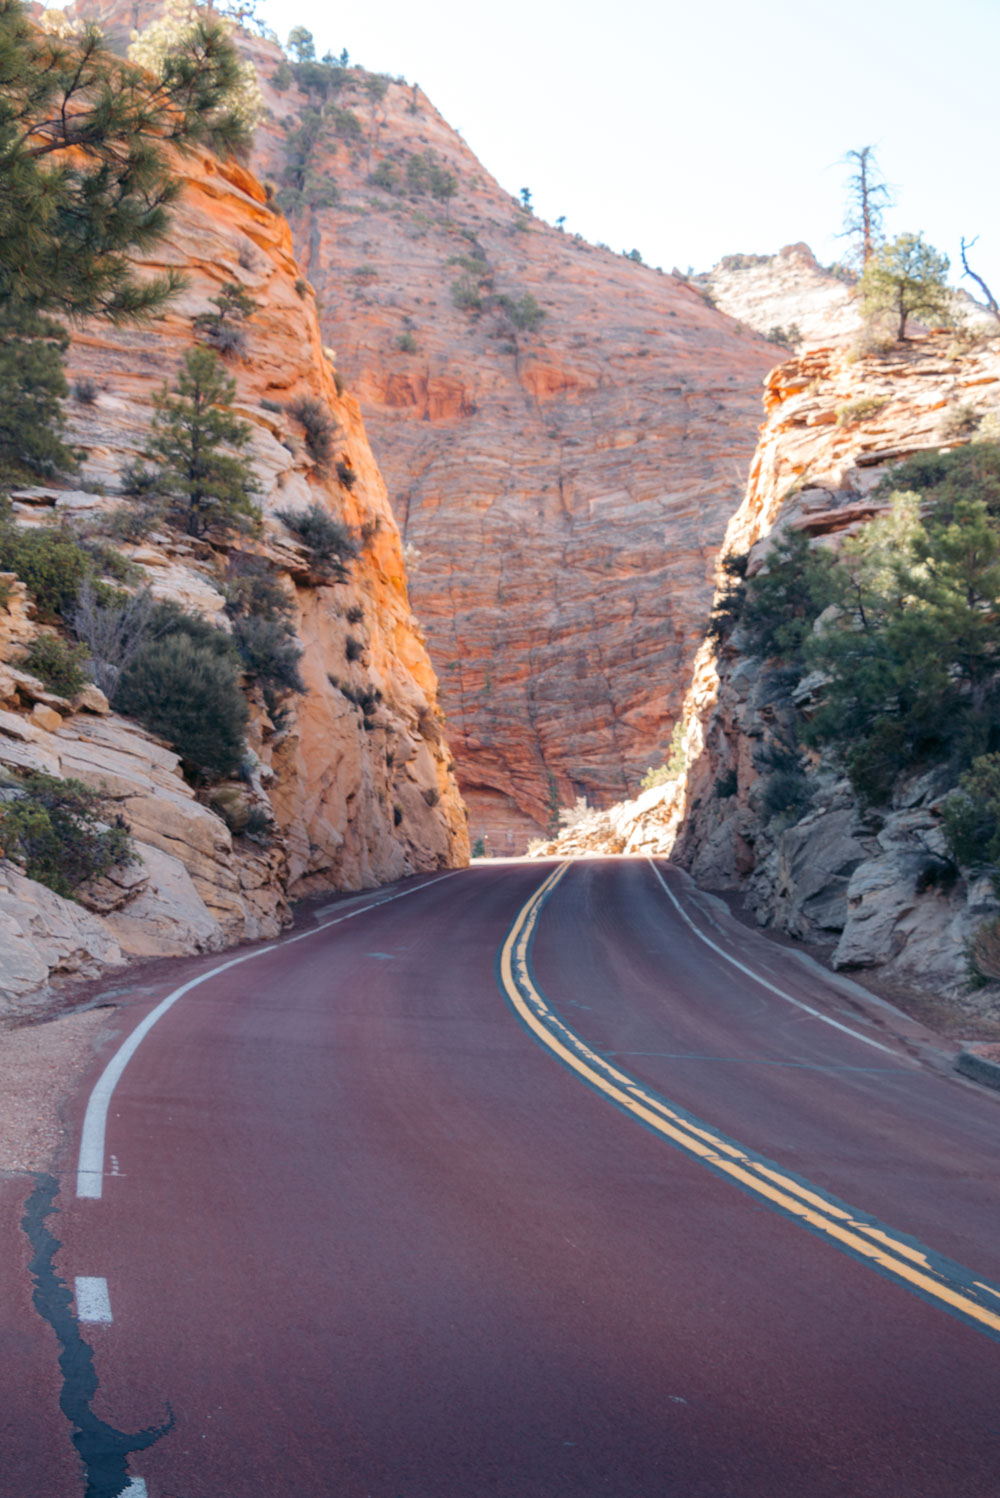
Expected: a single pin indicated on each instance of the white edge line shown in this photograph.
(93, 1303)
(90, 1162)
(816, 1013)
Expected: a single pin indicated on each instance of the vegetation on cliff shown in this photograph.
(902, 625)
(62, 833)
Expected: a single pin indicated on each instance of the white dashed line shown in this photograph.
(92, 1300)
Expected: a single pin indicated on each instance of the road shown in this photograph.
(519, 1182)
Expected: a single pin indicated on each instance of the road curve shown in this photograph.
(364, 1234)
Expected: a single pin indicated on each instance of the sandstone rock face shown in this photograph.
(223, 230)
(566, 486)
(862, 883)
(357, 797)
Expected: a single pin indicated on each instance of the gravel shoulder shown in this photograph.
(39, 1067)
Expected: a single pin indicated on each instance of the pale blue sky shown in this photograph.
(692, 132)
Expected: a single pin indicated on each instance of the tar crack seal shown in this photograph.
(102, 1449)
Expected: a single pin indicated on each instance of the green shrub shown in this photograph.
(252, 588)
(479, 848)
(224, 328)
(85, 391)
(64, 833)
(406, 343)
(786, 795)
(188, 693)
(270, 653)
(960, 420)
(432, 795)
(331, 544)
(135, 522)
(50, 560)
(467, 295)
(346, 475)
(319, 427)
(729, 599)
(259, 827)
(343, 122)
(353, 648)
(58, 663)
(301, 290)
(355, 614)
(860, 409)
(426, 174)
(674, 765)
(524, 312)
(386, 175)
(971, 817)
(971, 472)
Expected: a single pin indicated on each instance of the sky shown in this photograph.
(690, 132)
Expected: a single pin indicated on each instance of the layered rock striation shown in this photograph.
(353, 776)
(564, 434)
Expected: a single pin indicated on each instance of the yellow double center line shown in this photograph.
(892, 1254)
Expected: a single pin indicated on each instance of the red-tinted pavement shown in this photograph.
(367, 1237)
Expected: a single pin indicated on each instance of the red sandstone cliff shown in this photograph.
(359, 795)
(567, 486)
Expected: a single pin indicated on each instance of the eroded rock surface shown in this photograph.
(566, 486)
(872, 886)
(356, 797)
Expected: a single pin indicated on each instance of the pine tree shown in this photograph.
(906, 278)
(32, 388)
(84, 159)
(193, 425)
(85, 179)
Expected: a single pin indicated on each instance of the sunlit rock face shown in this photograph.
(567, 486)
(354, 776)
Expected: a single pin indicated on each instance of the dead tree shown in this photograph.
(967, 270)
(868, 198)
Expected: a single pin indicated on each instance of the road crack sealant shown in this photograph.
(102, 1449)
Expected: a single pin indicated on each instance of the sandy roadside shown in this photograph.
(39, 1066)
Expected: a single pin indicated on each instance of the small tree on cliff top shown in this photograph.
(193, 425)
(906, 278)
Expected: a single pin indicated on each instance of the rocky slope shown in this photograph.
(356, 797)
(851, 880)
(792, 296)
(566, 486)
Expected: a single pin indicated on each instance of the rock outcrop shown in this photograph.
(355, 775)
(863, 883)
(565, 474)
(791, 297)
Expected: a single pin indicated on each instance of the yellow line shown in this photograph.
(888, 1253)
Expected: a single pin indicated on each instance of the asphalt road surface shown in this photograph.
(520, 1182)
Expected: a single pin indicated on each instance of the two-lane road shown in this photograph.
(485, 1194)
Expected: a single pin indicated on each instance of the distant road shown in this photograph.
(521, 1182)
